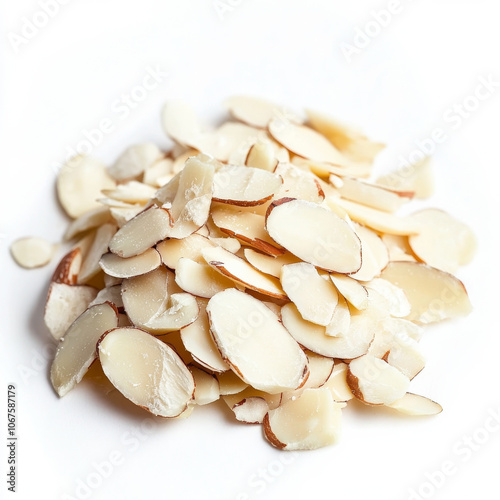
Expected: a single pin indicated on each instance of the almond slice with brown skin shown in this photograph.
(314, 234)
(76, 351)
(337, 383)
(119, 267)
(206, 386)
(191, 247)
(86, 221)
(298, 183)
(251, 410)
(182, 310)
(261, 155)
(267, 264)
(311, 421)
(111, 294)
(146, 371)
(235, 399)
(134, 161)
(254, 343)
(415, 405)
(32, 252)
(68, 268)
(240, 271)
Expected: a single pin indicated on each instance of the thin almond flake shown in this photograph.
(191, 247)
(68, 268)
(337, 383)
(131, 192)
(32, 252)
(261, 155)
(267, 264)
(415, 405)
(230, 383)
(111, 294)
(182, 310)
(341, 319)
(86, 221)
(353, 291)
(119, 267)
(206, 386)
(134, 161)
(251, 410)
(298, 183)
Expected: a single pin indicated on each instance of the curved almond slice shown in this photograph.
(261, 155)
(181, 124)
(257, 112)
(230, 384)
(314, 234)
(433, 294)
(247, 227)
(119, 267)
(64, 304)
(90, 266)
(124, 214)
(134, 161)
(86, 221)
(315, 297)
(159, 173)
(298, 183)
(131, 192)
(320, 370)
(349, 141)
(191, 247)
(415, 405)
(79, 184)
(305, 142)
(146, 371)
(251, 410)
(230, 244)
(311, 421)
(398, 247)
(111, 294)
(32, 252)
(235, 399)
(173, 339)
(267, 264)
(68, 268)
(444, 242)
(182, 311)
(229, 138)
(388, 298)
(323, 169)
(313, 337)
(206, 386)
(77, 349)
(341, 319)
(353, 291)
(375, 382)
(405, 355)
(376, 219)
(142, 232)
(254, 342)
(337, 383)
(242, 272)
(244, 186)
(374, 254)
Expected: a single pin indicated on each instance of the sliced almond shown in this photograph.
(119, 267)
(315, 297)
(32, 252)
(131, 192)
(433, 294)
(159, 173)
(415, 405)
(86, 221)
(68, 268)
(337, 383)
(64, 304)
(191, 247)
(146, 371)
(182, 310)
(254, 342)
(387, 297)
(111, 294)
(405, 355)
(206, 386)
(181, 124)
(230, 383)
(134, 161)
(298, 183)
(231, 137)
(398, 247)
(325, 169)
(122, 215)
(235, 399)
(314, 234)
(77, 349)
(355, 293)
(251, 410)
(261, 155)
(267, 264)
(374, 254)
(341, 319)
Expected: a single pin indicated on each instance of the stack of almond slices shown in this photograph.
(254, 263)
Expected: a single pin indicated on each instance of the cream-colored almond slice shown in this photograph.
(374, 254)
(134, 161)
(240, 271)
(434, 295)
(76, 351)
(120, 267)
(384, 295)
(313, 337)
(229, 138)
(311, 421)
(68, 268)
(111, 280)
(146, 371)
(230, 244)
(159, 172)
(191, 247)
(320, 370)
(305, 142)
(376, 219)
(376, 382)
(267, 264)
(236, 398)
(444, 242)
(230, 383)
(111, 294)
(251, 410)
(200, 279)
(173, 339)
(417, 177)
(32, 252)
(337, 383)
(398, 247)
(244, 186)
(122, 215)
(353, 144)
(353, 291)
(254, 343)
(142, 232)
(341, 319)
(90, 265)
(314, 234)
(206, 386)
(415, 405)
(86, 221)
(182, 310)
(131, 192)
(315, 297)
(181, 124)
(261, 155)
(298, 183)
(247, 227)
(324, 169)
(405, 355)
(64, 304)
(79, 184)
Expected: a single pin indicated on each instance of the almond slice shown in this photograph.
(398, 247)
(309, 422)
(131, 192)
(242, 272)
(142, 232)
(181, 311)
(146, 371)
(134, 161)
(234, 399)
(375, 382)
(298, 183)
(111, 294)
(79, 184)
(388, 297)
(315, 297)
(415, 405)
(314, 234)
(229, 138)
(337, 383)
(119, 267)
(181, 124)
(206, 386)
(86, 221)
(244, 186)
(355, 293)
(230, 383)
(324, 169)
(251, 410)
(64, 304)
(433, 294)
(76, 351)
(254, 342)
(159, 173)
(374, 254)
(261, 155)
(122, 215)
(68, 268)
(32, 252)
(267, 264)
(191, 247)
(341, 319)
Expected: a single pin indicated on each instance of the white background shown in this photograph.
(72, 73)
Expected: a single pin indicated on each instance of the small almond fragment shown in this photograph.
(191, 247)
(134, 161)
(230, 383)
(298, 183)
(261, 155)
(206, 386)
(86, 221)
(341, 319)
(111, 294)
(251, 410)
(337, 383)
(267, 264)
(120, 267)
(32, 252)
(415, 405)
(353, 291)
(68, 268)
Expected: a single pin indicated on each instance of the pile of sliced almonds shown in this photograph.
(255, 263)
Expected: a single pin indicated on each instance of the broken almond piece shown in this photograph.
(353, 291)
(86, 221)
(261, 155)
(68, 268)
(32, 252)
(254, 342)
(341, 319)
(251, 410)
(206, 386)
(337, 383)
(267, 264)
(134, 161)
(130, 193)
(415, 405)
(146, 371)
(230, 383)
(298, 183)
(388, 298)
(77, 349)
(111, 294)
(120, 267)
(309, 422)
(181, 310)
(191, 247)
(314, 234)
